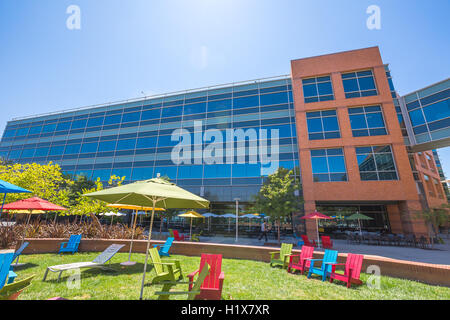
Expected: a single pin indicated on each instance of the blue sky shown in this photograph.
(127, 47)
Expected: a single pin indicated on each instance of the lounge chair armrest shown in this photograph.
(335, 264)
(192, 274)
(163, 263)
(311, 259)
(222, 275)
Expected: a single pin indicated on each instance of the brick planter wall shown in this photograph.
(423, 272)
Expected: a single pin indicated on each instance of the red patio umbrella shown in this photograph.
(32, 204)
(316, 216)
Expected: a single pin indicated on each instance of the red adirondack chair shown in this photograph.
(327, 243)
(179, 237)
(353, 267)
(211, 288)
(303, 263)
(307, 242)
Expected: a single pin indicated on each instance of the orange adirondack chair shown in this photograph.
(211, 288)
(327, 243)
(307, 242)
(353, 267)
(303, 263)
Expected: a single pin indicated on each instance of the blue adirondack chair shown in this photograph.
(164, 248)
(17, 254)
(72, 245)
(330, 256)
(6, 274)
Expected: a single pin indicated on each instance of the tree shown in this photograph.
(435, 217)
(277, 197)
(44, 181)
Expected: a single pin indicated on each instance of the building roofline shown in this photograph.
(335, 53)
(156, 96)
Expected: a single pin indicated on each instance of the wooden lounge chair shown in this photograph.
(191, 294)
(164, 248)
(11, 290)
(211, 288)
(327, 243)
(72, 245)
(352, 271)
(166, 270)
(17, 254)
(98, 262)
(283, 255)
(303, 263)
(330, 256)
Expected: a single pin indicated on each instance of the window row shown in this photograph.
(365, 121)
(376, 163)
(356, 84)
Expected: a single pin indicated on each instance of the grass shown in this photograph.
(244, 280)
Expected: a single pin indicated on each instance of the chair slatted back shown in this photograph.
(107, 255)
(306, 240)
(306, 253)
(5, 263)
(156, 259)
(20, 250)
(74, 241)
(354, 262)
(201, 278)
(215, 264)
(166, 247)
(176, 235)
(286, 248)
(331, 257)
(326, 241)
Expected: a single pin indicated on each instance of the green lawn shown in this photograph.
(244, 279)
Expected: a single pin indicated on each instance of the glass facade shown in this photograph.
(376, 163)
(323, 125)
(367, 121)
(136, 139)
(318, 89)
(429, 112)
(359, 84)
(328, 165)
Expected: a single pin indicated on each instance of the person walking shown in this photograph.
(263, 232)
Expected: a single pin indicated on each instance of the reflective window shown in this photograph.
(72, 149)
(49, 128)
(27, 153)
(376, 163)
(56, 151)
(35, 130)
(367, 121)
(128, 144)
(142, 173)
(246, 102)
(274, 98)
(114, 119)
(318, 89)
(328, 165)
(323, 125)
(131, 117)
(95, 122)
(89, 147)
(41, 152)
(107, 146)
(359, 84)
(79, 124)
(63, 126)
(144, 143)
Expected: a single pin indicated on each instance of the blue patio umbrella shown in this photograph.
(6, 187)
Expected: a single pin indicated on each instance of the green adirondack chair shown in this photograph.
(166, 270)
(171, 233)
(166, 293)
(283, 255)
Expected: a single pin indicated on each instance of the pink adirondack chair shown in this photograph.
(211, 288)
(179, 237)
(303, 263)
(307, 242)
(353, 267)
(327, 243)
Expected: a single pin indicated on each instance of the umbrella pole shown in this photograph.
(132, 236)
(3, 203)
(317, 225)
(26, 226)
(190, 231)
(148, 247)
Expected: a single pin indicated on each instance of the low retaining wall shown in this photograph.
(423, 272)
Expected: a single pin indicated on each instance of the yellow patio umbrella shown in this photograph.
(193, 215)
(136, 208)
